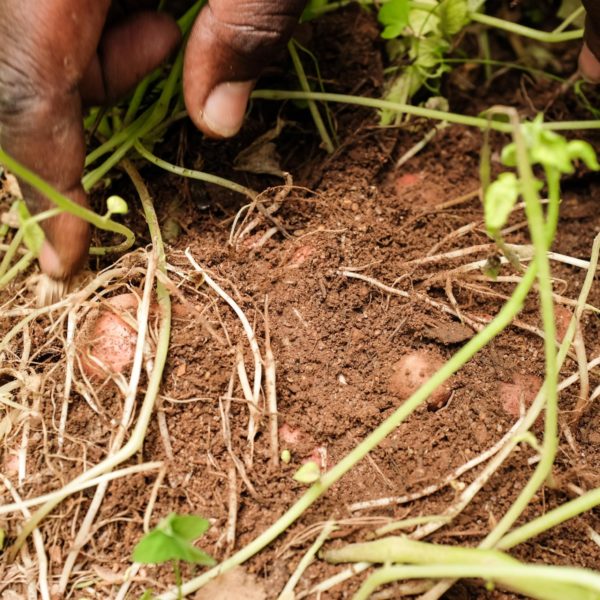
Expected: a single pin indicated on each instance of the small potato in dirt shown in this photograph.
(522, 391)
(562, 320)
(412, 371)
(106, 344)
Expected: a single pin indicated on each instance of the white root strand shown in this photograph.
(143, 313)
(38, 542)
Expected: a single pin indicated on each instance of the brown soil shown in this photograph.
(335, 341)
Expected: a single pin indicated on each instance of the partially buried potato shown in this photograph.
(106, 343)
(412, 371)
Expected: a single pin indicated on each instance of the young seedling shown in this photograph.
(308, 473)
(172, 540)
(420, 34)
(556, 156)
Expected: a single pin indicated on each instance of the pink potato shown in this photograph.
(300, 256)
(562, 318)
(290, 436)
(523, 390)
(106, 344)
(412, 371)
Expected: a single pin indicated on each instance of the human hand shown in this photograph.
(589, 57)
(57, 55)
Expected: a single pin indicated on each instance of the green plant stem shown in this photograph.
(138, 96)
(497, 325)
(186, 21)
(583, 584)
(551, 519)
(288, 591)
(411, 522)
(20, 266)
(504, 64)
(403, 550)
(484, 46)
(418, 111)
(67, 205)
(537, 226)
(177, 572)
(578, 12)
(20, 234)
(150, 119)
(138, 434)
(312, 105)
(553, 183)
(586, 501)
(400, 549)
(547, 37)
(199, 175)
(117, 139)
(141, 126)
(538, 403)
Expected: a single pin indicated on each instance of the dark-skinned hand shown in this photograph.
(59, 55)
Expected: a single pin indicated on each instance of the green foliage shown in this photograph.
(454, 15)
(308, 473)
(421, 36)
(33, 235)
(500, 198)
(548, 149)
(313, 9)
(172, 540)
(394, 15)
(551, 150)
(116, 206)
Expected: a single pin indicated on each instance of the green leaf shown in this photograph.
(171, 540)
(423, 23)
(33, 235)
(312, 9)
(454, 15)
(147, 595)
(550, 150)
(394, 15)
(508, 157)
(117, 206)
(183, 550)
(154, 548)
(427, 52)
(188, 527)
(500, 198)
(308, 473)
(580, 150)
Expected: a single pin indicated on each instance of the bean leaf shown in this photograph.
(454, 15)
(500, 198)
(394, 15)
(172, 540)
(308, 473)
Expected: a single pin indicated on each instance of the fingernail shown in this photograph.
(224, 109)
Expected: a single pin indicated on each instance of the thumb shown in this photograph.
(229, 45)
(589, 58)
(589, 65)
